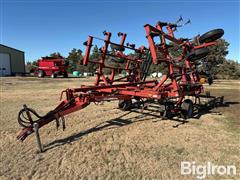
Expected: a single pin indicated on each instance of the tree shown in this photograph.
(95, 53)
(56, 55)
(95, 56)
(75, 58)
(216, 56)
(229, 69)
(221, 67)
(218, 52)
(31, 66)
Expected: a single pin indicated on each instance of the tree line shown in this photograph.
(215, 63)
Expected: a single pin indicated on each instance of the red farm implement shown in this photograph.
(133, 90)
(50, 66)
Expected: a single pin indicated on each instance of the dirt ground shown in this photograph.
(104, 142)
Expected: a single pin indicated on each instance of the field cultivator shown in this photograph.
(133, 90)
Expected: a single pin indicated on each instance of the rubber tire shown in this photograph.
(211, 36)
(124, 105)
(167, 114)
(53, 75)
(117, 47)
(40, 73)
(210, 80)
(197, 54)
(187, 108)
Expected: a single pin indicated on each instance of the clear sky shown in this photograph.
(45, 26)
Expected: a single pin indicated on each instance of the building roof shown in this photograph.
(11, 48)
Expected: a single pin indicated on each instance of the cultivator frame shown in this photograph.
(181, 80)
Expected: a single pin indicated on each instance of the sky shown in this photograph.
(45, 26)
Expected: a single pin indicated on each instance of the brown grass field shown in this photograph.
(103, 142)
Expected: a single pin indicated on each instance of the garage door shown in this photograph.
(5, 64)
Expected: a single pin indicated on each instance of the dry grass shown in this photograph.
(104, 142)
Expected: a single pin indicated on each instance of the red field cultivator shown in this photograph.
(133, 90)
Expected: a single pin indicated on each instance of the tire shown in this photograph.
(53, 75)
(210, 80)
(125, 105)
(166, 113)
(187, 108)
(211, 36)
(117, 47)
(65, 74)
(40, 73)
(197, 54)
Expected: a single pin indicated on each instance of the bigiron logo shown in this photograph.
(201, 171)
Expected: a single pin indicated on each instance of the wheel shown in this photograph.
(187, 108)
(197, 54)
(211, 36)
(117, 47)
(166, 113)
(210, 80)
(40, 73)
(53, 75)
(124, 104)
(65, 74)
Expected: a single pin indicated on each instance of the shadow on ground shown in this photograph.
(147, 114)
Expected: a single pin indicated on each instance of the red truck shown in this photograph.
(51, 66)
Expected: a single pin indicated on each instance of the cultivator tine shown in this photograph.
(58, 119)
(188, 22)
(23, 134)
(57, 124)
(65, 107)
(36, 130)
(63, 123)
(179, 20)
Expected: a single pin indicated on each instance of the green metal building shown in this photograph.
(12, 61)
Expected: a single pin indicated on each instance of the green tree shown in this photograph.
(217, 56)
(94, 56)
(75, 58)
(218, 52)
(31, 66)
(56, 55)
(229, 69)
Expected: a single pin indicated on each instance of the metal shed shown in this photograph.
(12, 61)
